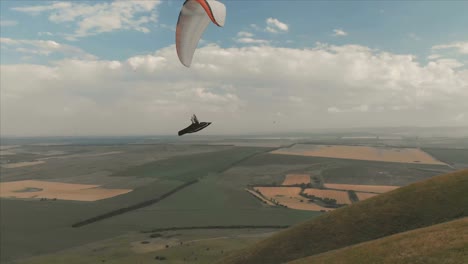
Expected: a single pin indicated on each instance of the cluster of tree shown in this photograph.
(353, 196)
(45, 199)
(317, 181)
(308, 185)
(329, 201)
(309, 196)
(326, 202)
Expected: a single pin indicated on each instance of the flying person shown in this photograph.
(194, 127)
(194, 119)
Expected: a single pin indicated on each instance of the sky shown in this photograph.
(83, 68)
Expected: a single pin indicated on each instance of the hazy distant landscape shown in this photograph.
(192, 200)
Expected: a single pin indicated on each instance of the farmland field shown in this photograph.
(362, 188)
(401, 155)
(456, 157)
(142, 174)
(56, 190)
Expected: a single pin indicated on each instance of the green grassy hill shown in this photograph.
(437, 200)
(438, 244)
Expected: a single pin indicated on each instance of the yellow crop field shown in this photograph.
(341, 197)
(401, 155)
(362, 188)
(292, 179)
(31, 189)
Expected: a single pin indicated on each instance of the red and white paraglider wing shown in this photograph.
(193, 20)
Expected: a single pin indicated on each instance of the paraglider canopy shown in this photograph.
(193, 20)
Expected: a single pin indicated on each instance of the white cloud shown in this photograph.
(238, 89)
(433, 56)
(339, 33)
(45, 48)
(413, 36)
(45, 33)
(244, 37)
(275, 26)
(251, 41)
(8, 23)
(460, 46)
(245, 34)
(452, 63)
(100, 17)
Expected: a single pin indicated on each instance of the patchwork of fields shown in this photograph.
(93, 180)
(303, 197)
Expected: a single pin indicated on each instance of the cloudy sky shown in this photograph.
(110, 68)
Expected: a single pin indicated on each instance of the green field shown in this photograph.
(193, 166)
(456, 157)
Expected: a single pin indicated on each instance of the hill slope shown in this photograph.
(441, 243)
(436, 200)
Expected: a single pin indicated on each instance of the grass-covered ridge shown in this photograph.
(436, 200)
(441, 243)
